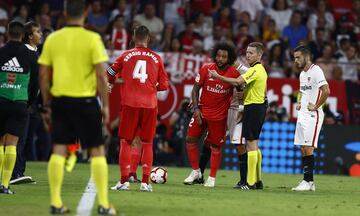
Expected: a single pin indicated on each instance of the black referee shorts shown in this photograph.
(13, 117)
(77, 118)
(253, 119)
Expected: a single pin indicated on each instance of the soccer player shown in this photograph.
(314, 90)
(143, 73)
(255, 105)
(18, 73)
(210, 112)
(76, 57)
(32, 38)
(234, 127)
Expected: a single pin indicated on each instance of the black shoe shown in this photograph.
(199, 181)
(248, 187)
(259, 185)
(4, 190)
(21, 179)
(61, 210)
(239, 185)
(106, 211)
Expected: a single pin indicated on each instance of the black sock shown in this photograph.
(243, 166)
(308, 164)
(204, 158)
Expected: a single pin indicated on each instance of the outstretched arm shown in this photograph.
(232, 81)
(195, 100)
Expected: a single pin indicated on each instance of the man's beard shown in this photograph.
(221, 66)
(301, 67)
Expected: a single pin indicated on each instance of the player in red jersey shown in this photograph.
(211, 111)
(143, 73)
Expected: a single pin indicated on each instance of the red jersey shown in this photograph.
(143, 73)
(216, 95)
(119, 39)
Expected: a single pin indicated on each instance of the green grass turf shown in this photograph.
(335, 195)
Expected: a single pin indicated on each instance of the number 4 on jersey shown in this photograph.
(140, 71)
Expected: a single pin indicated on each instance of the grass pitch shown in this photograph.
(335, 195)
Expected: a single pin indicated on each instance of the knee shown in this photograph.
(241, 149)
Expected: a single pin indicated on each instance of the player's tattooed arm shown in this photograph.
(195, 101)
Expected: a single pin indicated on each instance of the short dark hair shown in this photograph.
(28, 30)
(75, 8)
(305, 50)
(259, 47)
(141, 33)
(229, 47)
(15, 30)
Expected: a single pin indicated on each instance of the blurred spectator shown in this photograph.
(96, 19)
(354, 17)
(22, 15)
(224, 20)
(160, 143)
(318, 42)
(295, 32)
(45, 21)
(343, 30)
(149, 19)
(277, 62)
(167, 36)
(339, 7)
(344, 45)
(122, 9)
(215, 37)
(350, 64)
(276, 112)
(200, 6)
(327, 62)
(3, 18)
(269, 32)
(243, 39)
(198, 47)
(179, 122)
(2, 39)
(280, 13)
(337, 73)
(254, 7)
(321, 14)
(117, 37)
(253, 26)
(203, 25)
(187, 37)
(173, 11)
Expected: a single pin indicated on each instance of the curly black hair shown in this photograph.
(229, 47)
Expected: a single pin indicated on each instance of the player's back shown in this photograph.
(142, 70)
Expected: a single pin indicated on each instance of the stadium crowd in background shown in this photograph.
(331, 29)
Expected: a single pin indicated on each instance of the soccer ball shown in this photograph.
(158, 175)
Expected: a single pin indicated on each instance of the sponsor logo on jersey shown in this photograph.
(11, 78)
(13, 66)
(305, 87)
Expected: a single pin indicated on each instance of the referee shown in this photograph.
(255, 105)
(76, 58)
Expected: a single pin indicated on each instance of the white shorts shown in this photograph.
(234, 128)
(308, 127)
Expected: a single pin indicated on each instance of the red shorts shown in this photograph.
(138, 122)
(216, 130)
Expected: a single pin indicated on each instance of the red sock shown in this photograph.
(215, 160)
(135, 158)
(193, 153)
(124, 160)
(147, 161)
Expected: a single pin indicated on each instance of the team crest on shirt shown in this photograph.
(197, 78)
(309, 78)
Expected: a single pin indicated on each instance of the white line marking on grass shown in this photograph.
(87, 200)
